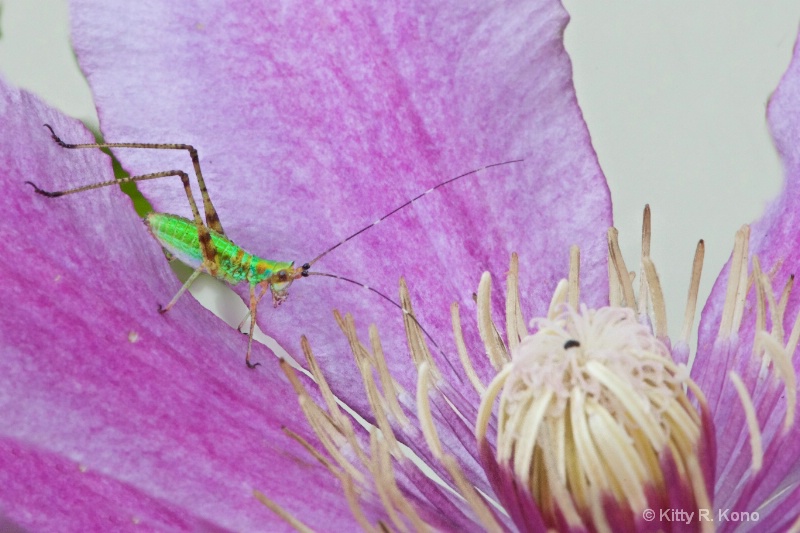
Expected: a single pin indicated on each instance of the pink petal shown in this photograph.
(774, 239)
(77, 499)
(160, 410)
(313, 120)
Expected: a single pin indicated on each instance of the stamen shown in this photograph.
(495, 349)
(354, 503)
(787, 289)
(514, 334)
(574, 276)
(348, 327)
(775, 315)
(376, 403)
(698, 393)
(560, 297)
(521, 323)
(588, 461)
(359, 351)
(614, 287)
(752, 421)
(522, 448)
(463, 355)
(618, 387)
(644, 294)
(506, 440)
(738, 258)
(330, 435)
(785, 370)
(694, 287)
(761, 311)
(419, 350)
(389, 385)
(319, 377)
(312, 450)
(468, 492)
(299, 389)
(621, 270)
(741, 293)
(282, 513)
(487, 403)
(400, 501)
(646, 231)
(623, 464)
(424, 412)
(657, 296)
(380, 458)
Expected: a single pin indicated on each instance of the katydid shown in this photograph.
(206, 248)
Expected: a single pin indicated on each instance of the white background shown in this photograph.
(674, 93)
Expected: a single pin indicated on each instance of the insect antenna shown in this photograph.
(405, 313)
(379, 293)
(406, 204)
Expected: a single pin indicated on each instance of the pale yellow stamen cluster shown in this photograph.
(590, 403)
(593, 419)
(590, 400)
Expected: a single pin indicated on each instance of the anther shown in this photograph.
(572, 343)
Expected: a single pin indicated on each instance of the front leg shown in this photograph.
(253, 309)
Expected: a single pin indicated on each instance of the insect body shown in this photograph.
(180, 238)
(206, 248)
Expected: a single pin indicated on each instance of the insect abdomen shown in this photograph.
(179, 236)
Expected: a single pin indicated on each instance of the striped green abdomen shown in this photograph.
(179, 236)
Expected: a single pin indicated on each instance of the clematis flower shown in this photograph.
(116, 417)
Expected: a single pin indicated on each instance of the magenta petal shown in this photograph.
(313, 120)
(159, 408)
(779, 516)
(774, 239)
(78, 499)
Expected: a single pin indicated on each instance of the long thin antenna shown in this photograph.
(405, 313)
(379, 293)
(395, 210)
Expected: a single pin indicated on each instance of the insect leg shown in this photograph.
(253, 308)
(212, 218)
(183, 289)
(210, 260)
(258, 300)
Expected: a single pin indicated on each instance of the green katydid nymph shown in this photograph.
(206, 248)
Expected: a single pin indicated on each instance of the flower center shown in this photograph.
(596, 352)
(599, 388)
